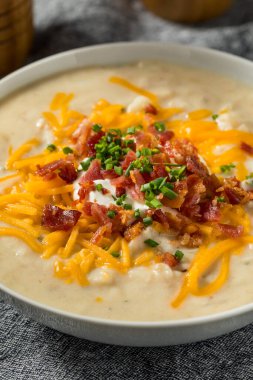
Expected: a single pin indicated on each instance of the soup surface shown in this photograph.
(144, 293)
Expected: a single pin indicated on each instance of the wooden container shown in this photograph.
(16, 33)
(188, 11)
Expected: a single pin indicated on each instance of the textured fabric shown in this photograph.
(31, 351)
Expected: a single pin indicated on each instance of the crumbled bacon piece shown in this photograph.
(169, 259)
(191, 205)
(179, 150)
(85, 189)
(130, 157)
(99, 234)
(151, 109)
(81, 135)
(195, 166)
(121, 181)
(236, 195)
(133, 231)
(210, 212)
(93, 173)
(64, 168)
(160, 217)
(162, 137)
(120, 191)
(230, 231)
(191, 240)
(55, 218)
(109, 174)
(247, 148)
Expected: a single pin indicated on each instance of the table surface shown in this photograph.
(31, 351)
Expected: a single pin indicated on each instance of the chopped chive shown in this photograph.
(115, 254)
(154, 203)
(132, 130)
(118, 170)
(151, 243)
(130, 167)
(169, 193)
(127, 206)
(96, 128)
(147, 221)
(227, 168)
(120, 200)
(108, 166)
(178, 255)
(111, 214)
(220, 199)
(85, 164)
(215, 116)
(67, 150)
(99, 187)
(137, 213)
(159, 126)
(51, 147)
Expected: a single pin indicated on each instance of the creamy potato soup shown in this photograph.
(126, 192)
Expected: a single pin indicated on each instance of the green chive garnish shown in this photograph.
(51, 147)
(227, 168)
(115, 254)
(118, 170)
(178, 255)
(137, 213)
(111, 214)
(147, 221)
(159, 126)
(96, 128)
(99, 187)
(215, 116)
(127, 206)
(85, 164)
(151, 243)
(67, 150)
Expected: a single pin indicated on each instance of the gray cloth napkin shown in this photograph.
(31, 351)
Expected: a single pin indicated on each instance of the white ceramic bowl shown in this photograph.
(124, 332)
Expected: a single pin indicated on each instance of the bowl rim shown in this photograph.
(172, 323)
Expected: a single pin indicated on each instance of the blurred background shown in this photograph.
(60, 25)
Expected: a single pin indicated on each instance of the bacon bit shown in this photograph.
(99, 213)
(65, 170)
(133, 231)
(85, 189)
(93, 173)
(99, 234)
(138, 181)
(191, 240)
(159, 167)
(169, 259)
(247, 148)
(179, 150)
(121, 181)
(120, 191)
(109, 174)
(231, 231)
(92, 141)
(81, 135)
(236, 195)
(55, 218)
(196, 190)
(160, 217)
(130, 157)
(195, 166)
(210, 212)
(163, 137)
(146, 140)
(151, 109)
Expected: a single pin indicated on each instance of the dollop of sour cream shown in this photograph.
(107, 198)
